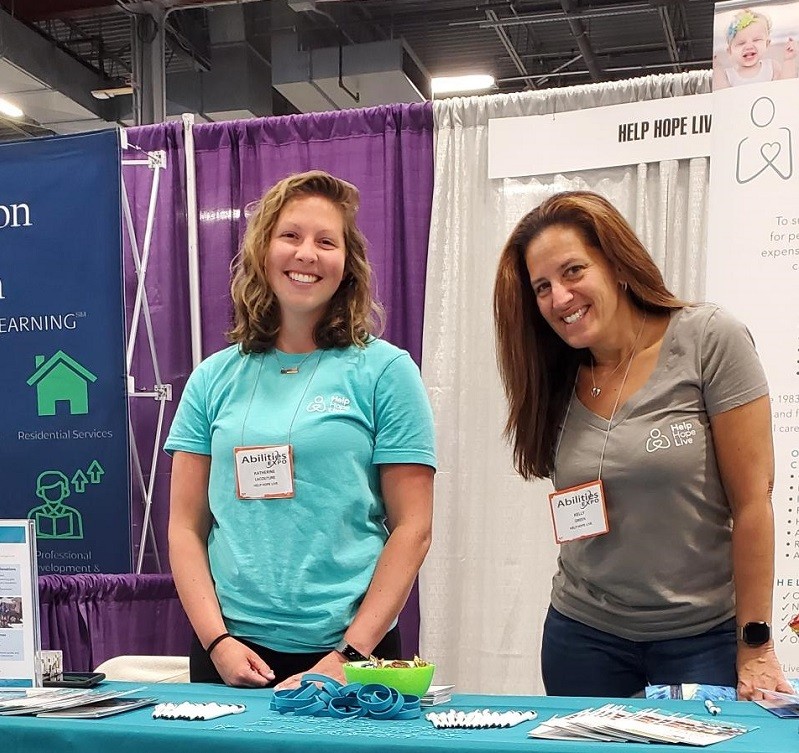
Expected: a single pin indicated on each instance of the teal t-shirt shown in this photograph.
(291, 573)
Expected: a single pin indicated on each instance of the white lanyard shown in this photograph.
(612, 413)
(267, 471)
(299, 402)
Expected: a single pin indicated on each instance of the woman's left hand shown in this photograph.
(331, 665)
(759, 668)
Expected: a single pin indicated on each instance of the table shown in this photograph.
(264, 731)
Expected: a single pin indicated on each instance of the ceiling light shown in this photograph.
(450, 84)
(119, 91)
(6, 108)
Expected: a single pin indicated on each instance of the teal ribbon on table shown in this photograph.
(319, 695)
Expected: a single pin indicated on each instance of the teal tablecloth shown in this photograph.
(259, 729)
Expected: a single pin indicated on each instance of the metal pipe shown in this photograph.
(653, 47)
(540, 18)
(512, 79)
(195, 316)
(583, 42)
(556, 71)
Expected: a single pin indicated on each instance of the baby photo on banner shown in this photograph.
(754, 43)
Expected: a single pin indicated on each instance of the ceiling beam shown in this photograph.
(603, 52)
(42, 10)
(23, 127)
(705, 63)
(512, 51)
(556, 71)
(605, 11)
(56, 69)
(668, 33)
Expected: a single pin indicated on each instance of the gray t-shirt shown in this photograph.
(664, 570)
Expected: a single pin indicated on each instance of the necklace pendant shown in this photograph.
(289, 370)
(596, 391)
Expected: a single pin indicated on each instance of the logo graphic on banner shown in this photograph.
(61, 379)
(54, 519)
(64, 427)
(772, 148)
(753, 244)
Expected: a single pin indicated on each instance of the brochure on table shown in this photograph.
(20, 640)
(617, 723)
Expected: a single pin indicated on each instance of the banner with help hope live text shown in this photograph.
(630, 134)
(63, 417)
(753, 243)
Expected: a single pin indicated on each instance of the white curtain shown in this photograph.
(485, 585)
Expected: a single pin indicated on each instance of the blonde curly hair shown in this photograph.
(352, 315)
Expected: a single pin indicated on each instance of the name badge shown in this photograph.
(264, 472)
(579, 512)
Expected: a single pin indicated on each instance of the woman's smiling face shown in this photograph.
(574, 285)
(306, 257)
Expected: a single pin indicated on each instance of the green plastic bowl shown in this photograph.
(409, 680)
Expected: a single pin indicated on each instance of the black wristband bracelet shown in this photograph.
(213, 644)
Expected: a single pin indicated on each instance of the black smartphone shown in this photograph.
(75, 680)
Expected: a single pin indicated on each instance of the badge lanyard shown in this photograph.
(612, 412)
(267, 471)
(580, 512)
(607, 429)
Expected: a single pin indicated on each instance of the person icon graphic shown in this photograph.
(657, 441)
(775, 149)
(54, 519)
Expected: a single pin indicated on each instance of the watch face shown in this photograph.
(356, 655)
(351, 654)
(756, 633)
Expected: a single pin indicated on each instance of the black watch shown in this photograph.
(348, 652)
(754, 633)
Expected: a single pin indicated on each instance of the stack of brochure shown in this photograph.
(784, 705)
(437, 694)
(617, 723)
(67, 702)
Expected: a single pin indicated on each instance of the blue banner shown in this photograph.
(63, 423)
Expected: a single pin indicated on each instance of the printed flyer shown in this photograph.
(20, 641)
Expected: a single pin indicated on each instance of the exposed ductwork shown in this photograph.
(237, 84)
(335, 78)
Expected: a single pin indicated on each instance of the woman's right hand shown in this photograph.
(240, 666)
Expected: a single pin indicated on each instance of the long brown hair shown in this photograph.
(537, 367)
(352, 314)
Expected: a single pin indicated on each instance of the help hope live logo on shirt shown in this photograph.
(678, 434)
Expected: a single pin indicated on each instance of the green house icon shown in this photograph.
(61, 378)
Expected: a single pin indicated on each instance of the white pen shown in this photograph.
(712, 708)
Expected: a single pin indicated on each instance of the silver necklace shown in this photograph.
(290, 369)
(302, 397)
(596, 390)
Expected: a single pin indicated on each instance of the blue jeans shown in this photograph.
(577, 660)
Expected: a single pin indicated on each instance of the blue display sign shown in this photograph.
(64, 456)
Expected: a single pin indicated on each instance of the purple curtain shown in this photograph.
(387, 152)
(92, 618)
